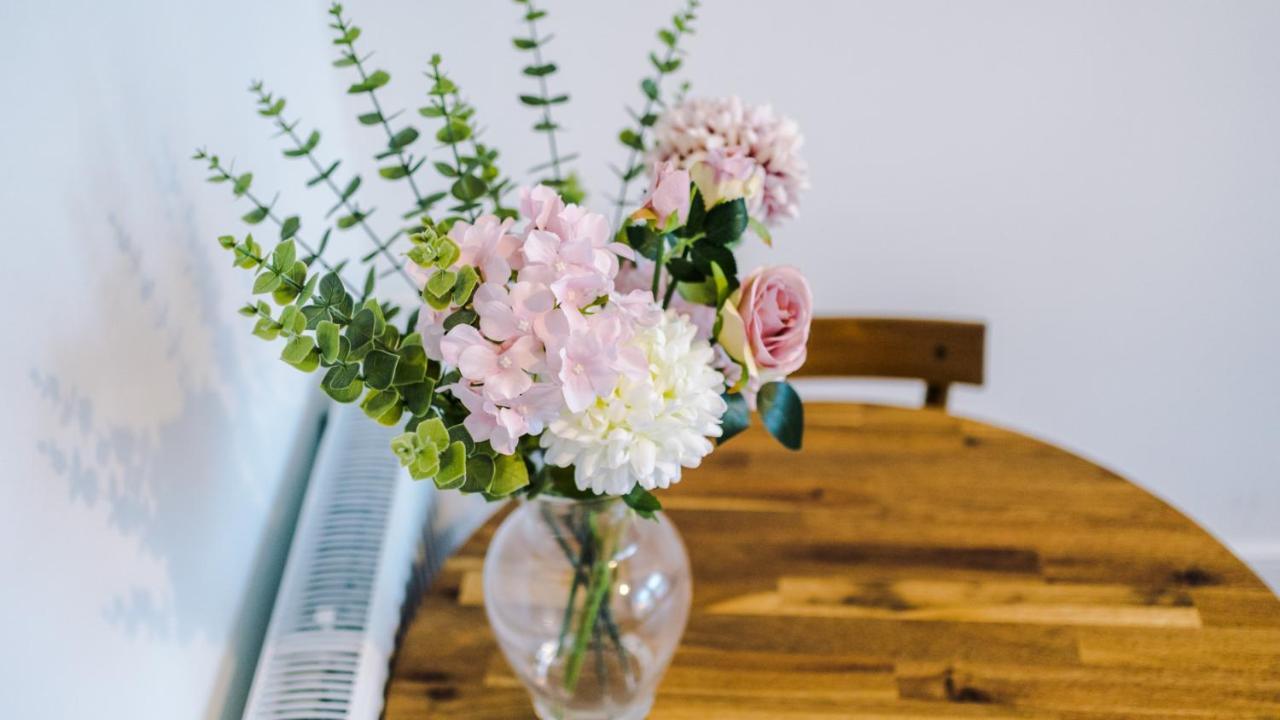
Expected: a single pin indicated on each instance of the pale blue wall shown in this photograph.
(151, 450)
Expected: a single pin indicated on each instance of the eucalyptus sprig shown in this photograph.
(470, 175)
(565, 182)
(289, 225)
(272, 107)
(633, 137)
(405, 165)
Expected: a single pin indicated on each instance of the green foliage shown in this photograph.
(325, 325)
(736, 418)
(270, 106)
(473, 174)
(643, 502)
(633, 137)
(405, 164)
(782, 413)
(541, 70)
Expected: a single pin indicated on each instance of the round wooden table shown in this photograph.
(910, 564)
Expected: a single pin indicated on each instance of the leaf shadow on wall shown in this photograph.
(176, 481)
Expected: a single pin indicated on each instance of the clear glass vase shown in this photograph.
(588, 602)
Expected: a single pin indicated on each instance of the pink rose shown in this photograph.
(668, 196)
(766, 323)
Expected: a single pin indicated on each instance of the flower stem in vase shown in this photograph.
(600, 578)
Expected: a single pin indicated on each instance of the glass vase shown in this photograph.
(588, 602)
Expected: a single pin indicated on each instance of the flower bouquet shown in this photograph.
(550, 354)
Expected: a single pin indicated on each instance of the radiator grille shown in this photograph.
(359, 556)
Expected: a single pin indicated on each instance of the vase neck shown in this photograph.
(601, 526)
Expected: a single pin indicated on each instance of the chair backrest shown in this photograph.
(939, 352)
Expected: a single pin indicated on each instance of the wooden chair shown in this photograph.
(938, 352)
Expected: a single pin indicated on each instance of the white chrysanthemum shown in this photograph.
(648, 428)
(687, 132)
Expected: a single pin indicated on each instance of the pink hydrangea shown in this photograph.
(555, 337)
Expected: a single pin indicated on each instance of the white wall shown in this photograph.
(151, 448)
(1096, 180)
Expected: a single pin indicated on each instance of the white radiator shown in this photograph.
(362, 546)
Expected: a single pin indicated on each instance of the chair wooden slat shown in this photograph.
(939, 352)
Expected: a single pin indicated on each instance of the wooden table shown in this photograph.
(910, 564)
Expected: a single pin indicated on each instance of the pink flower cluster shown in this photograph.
(726, 132)
(545, 340)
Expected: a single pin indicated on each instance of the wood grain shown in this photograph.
(910, 564)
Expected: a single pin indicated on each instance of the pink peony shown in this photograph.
(766, 323)
(688, 132)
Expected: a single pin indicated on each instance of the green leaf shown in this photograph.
(540, 70)
(509, 475)
(782, 413)
(631, 139)
(372, 118)
(350, 393)
(266, 281)
(458, 433)
(351, 188)
(291, 280)
(464, 316)
(533, 100)
(535, 15)
(417, 397)
(412, 367)
(371, 83)
(403, 138)
(453, 132)
(296, 350)
(284, 254)
(433, 435)
(726, 222)
(468, 188)
(324, 175)
(479, 474)
(256, 215)
(327, 340)
(643, 502)
(341, 377)
(273, 110)
(453, 467)
(466, 282)
(736, 418)
(380, 368)
(361, 330)
(524, 43)
(761, 231)
(667, 37)
(378, 402)
(289, 227)
(445, 169)
(393, 172)
(650, 88)
(308, 363)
